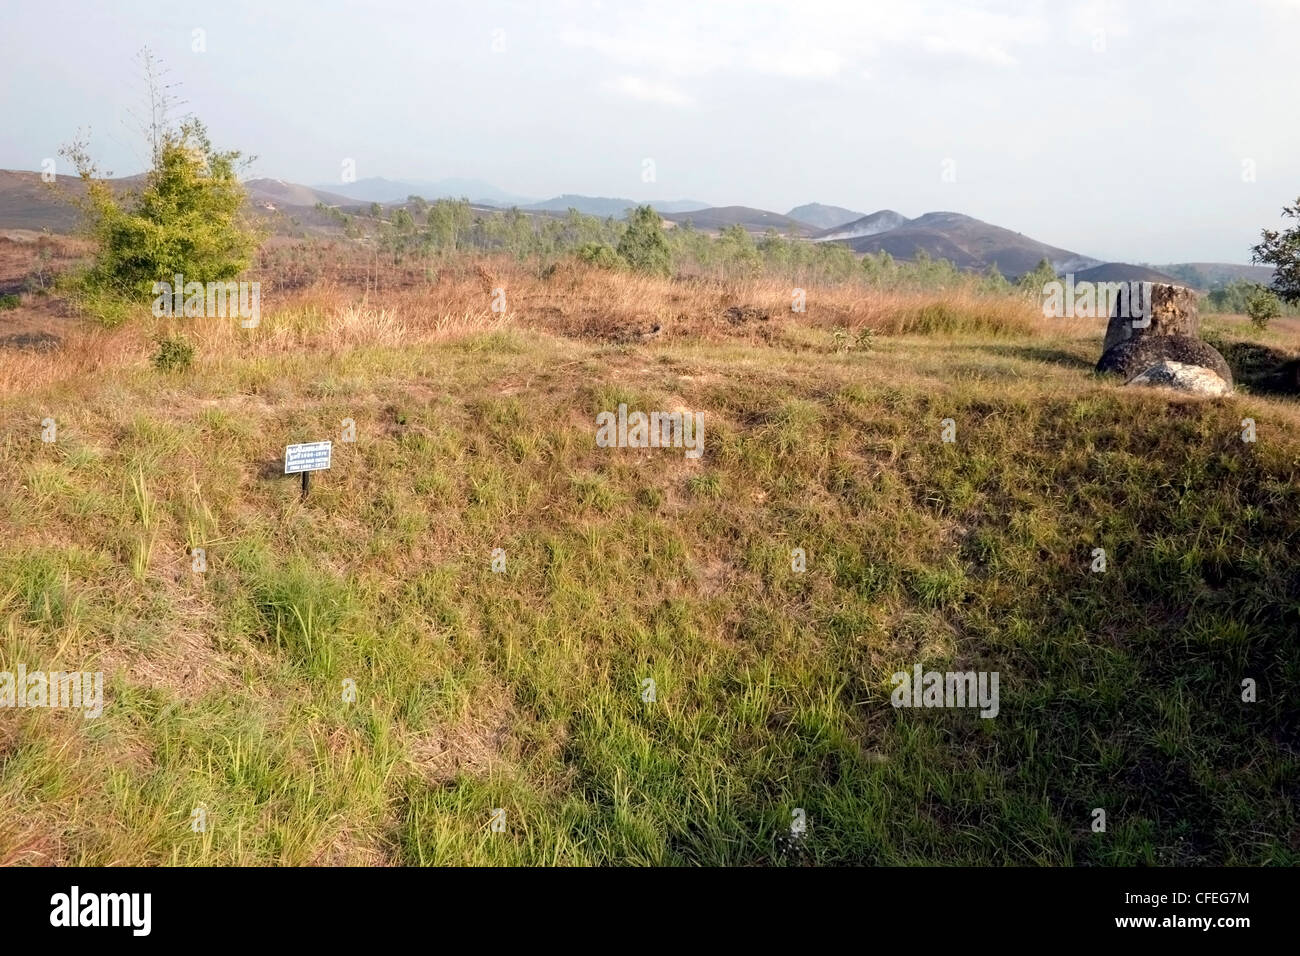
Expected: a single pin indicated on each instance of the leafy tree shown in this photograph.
(449, 223)
(1281, 250)
(1031, 283)
(643, 245)
(880, 269)
(188, 219)
(994, 281)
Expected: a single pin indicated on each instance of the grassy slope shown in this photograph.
(480, 690)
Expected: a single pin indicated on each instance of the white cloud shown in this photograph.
(649, 91)
(814, 40)
(970, 48)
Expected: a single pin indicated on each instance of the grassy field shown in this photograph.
(522, 690)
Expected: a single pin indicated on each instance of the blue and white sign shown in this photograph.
(312, 456)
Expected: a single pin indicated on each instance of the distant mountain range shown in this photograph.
(26, 203)
(605, 207)
(392, 191)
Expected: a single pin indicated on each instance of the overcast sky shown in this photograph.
(1145, 131)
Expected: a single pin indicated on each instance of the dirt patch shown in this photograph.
(186, 664)
(472, 746)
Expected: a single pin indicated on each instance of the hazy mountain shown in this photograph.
(717, 218)
(1210, 275)
(820, 216)
(604, 206)
(970, 244)
(1124, 272)
(279, 192)
(27, 202)
(380, 190)
(869, 225)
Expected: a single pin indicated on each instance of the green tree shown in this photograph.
(1281, 250)
(1031, 283)
(738, 252)
(643, 245)
(188, 219)
(449, 223)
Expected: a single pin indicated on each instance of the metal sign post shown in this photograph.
(306, 458)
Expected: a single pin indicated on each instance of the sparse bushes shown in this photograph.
(1234, 298)
(1230, 298)
(8, 302)
(737, 249)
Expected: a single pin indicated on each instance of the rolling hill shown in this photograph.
(820, 216)
(1123, 272)
(869, 225)
(280, 193)
(717, 218)
(26, 202)
(969, 243)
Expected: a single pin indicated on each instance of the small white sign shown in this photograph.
(312, 456)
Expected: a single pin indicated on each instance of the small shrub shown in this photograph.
(707, 486)
(599, 254)
(1263, 307)
(174, 354)
(8, 302)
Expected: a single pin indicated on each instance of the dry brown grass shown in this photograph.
(335, 312)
